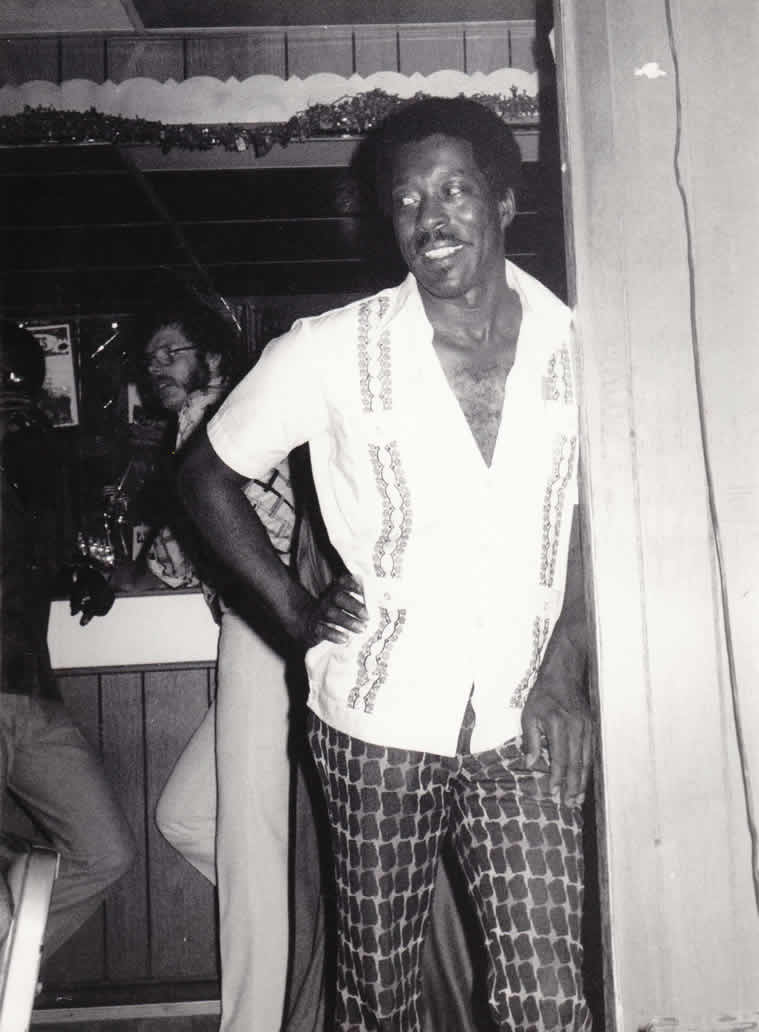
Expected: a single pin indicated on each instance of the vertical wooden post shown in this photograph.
(641, 187)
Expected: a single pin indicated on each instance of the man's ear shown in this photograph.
(507, 208)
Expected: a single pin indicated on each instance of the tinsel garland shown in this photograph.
(349, 116)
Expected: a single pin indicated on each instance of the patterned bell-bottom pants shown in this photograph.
(521, 855)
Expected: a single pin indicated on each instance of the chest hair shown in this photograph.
(478, 379)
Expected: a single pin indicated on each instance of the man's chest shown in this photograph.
(478, 383)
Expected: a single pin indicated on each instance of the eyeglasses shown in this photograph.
(164, 356)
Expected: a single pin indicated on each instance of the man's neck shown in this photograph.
(483, 318)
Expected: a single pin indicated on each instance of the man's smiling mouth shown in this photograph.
(436, 253)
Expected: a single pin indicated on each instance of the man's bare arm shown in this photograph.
(212, 494)
(557, 705)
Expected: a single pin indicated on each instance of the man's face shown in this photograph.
(175, 367)
(448, 223)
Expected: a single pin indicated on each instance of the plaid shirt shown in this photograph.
(271, 496)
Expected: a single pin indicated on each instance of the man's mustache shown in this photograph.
(424, 239)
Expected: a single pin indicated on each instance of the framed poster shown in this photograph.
(59, 389)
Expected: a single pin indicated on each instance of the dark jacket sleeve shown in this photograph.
(25, 587)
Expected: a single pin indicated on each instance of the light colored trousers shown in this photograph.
(226, 808)
(53, 773)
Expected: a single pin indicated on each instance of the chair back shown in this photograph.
(31, 874)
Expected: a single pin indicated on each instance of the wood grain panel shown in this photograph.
(60, 158)
(261, 52)
(319, 49)
(117, 289)
(126, 906)
(165, 14)
(182, 911)
(81, 695)
(487, 47)
(203, 197)
(83, 57)
(74, 199)
(376, 48)
(24, 58)
(154, 58)
(430, 48)
(522, 45)
(336, 239)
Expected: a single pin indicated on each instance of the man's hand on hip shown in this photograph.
(336, 614)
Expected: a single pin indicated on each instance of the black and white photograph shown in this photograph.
(379, 530)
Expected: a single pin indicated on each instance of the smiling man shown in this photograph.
(446, 667)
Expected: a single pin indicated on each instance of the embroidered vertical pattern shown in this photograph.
(540, 629)
(557, 383)
(375, 371)
(565, 449)
(373, 659)
(396, 509)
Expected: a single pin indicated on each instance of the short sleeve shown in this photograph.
(279, 405)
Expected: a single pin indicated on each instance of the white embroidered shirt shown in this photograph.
(462, 564)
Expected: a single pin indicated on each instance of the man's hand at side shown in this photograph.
(556, 710)
(560, 714)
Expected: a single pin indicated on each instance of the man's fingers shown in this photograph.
(558, 751)
(530, 738)
(574, 774)
(346, 602)
(349, 582)
(339, 612)
(587, 759)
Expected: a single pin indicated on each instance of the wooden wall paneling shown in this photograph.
(522, 45)
(71, 199)
(71, 248)
(154, 58)
(319, 49)
(24, 58)
(260, 52)
(126, 906)
(82, 958)
(376, 48)
(182, 905)
(430, 48)
(487, 47)
(277, 240)
(83, 57)
(246, 195)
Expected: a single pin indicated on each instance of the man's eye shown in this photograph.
(454, 189)
(405, 201)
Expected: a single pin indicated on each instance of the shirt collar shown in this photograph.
(196, 403)
(408, 292)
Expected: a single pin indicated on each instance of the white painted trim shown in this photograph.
(138, 631)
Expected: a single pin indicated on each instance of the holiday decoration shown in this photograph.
(348, 116)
